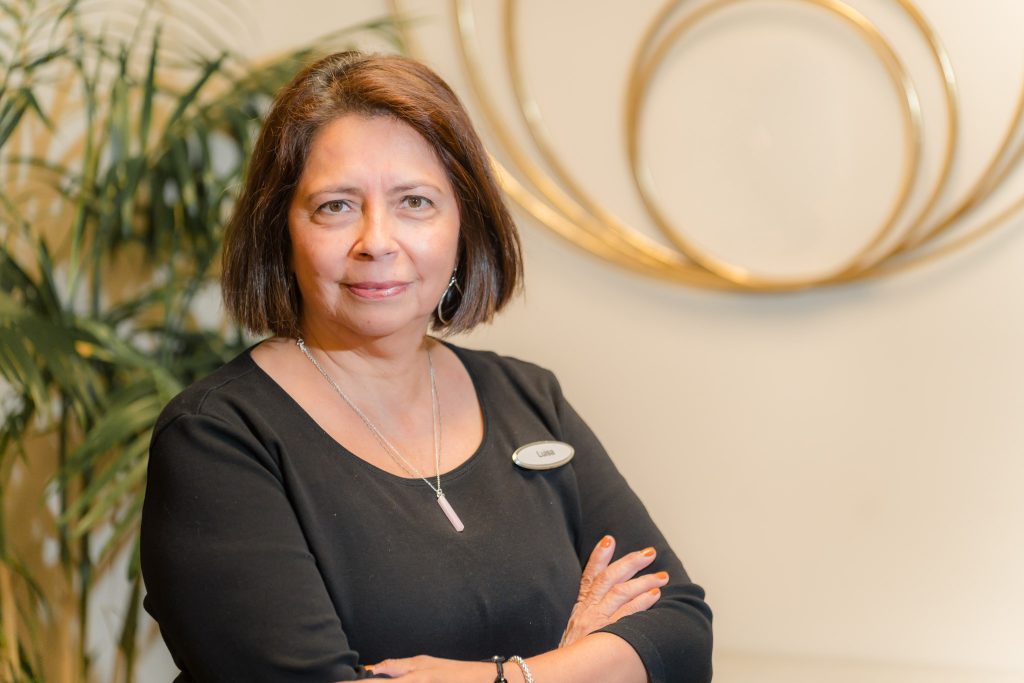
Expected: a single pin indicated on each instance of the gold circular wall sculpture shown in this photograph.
(557, 200)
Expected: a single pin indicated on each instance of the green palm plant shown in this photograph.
(119, 155)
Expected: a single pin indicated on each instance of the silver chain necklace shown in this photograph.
(442, 501)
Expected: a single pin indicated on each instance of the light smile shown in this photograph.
(377, 290)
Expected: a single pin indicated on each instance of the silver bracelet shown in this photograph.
(522, 667)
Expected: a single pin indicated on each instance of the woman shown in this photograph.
(341, 501)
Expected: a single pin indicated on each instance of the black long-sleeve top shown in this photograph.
(271, 553)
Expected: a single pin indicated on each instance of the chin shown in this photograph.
(383, 328)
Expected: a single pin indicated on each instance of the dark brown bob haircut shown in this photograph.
(259, 288)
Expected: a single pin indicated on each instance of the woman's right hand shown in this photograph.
(609, 592)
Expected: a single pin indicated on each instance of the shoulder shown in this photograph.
(512, 381)
(232, 424)
(488, 366)
(222, 394)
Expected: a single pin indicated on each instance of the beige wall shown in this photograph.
(840, 468)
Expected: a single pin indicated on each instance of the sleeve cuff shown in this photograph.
(646, 649)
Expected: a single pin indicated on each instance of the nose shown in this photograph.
(376, 237)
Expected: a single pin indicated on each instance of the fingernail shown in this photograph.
(647, 552)
(654, 591)
(606, 542)
(662, 576)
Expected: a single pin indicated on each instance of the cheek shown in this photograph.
(312, 258)
(452, 246)
(435, 254)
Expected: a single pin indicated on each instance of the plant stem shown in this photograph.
(85, 590)
(62, 484)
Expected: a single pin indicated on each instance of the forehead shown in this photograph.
(370, 148)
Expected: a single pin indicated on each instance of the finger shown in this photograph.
(623, 593)
(640, 603)
(394, 667)
(619, 571)
(599, 559)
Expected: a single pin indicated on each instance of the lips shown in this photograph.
(377, 290)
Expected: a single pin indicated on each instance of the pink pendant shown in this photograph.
(449, 512)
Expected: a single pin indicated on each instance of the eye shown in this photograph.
(333, 207)
(416, 202)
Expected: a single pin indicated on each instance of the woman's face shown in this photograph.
(374, 227)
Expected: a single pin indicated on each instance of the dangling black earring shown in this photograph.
(446, 300)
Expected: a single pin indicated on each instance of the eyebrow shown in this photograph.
(398, 189)
(334, 190)
(415, 186)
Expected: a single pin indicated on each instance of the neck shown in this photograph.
(395, 358)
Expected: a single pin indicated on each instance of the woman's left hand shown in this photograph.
(424, 669)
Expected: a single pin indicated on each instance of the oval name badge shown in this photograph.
(543, 455)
